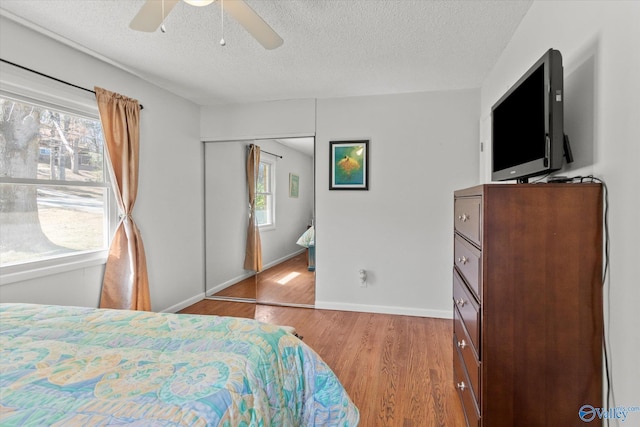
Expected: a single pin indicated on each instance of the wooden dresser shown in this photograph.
(527, 302)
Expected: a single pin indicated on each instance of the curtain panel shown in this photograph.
(125, 284)
(253, 253)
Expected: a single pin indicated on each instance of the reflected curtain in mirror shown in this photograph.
(253, 253)
(126, 283)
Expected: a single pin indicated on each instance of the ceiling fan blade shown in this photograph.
(149, 17)
(253, 23)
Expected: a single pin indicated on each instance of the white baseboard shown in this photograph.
(384, 309)
(328, 305)
(184, 304)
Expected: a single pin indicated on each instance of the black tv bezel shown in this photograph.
(554, 122)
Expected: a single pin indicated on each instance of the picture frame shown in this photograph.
(349, 165)
(294, 185)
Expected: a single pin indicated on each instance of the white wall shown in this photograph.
(423, 146)
(226, 209)
(170, 203)
(274, 119)
(599, 41)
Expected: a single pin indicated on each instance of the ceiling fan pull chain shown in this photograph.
(222, 42)
(162, 27)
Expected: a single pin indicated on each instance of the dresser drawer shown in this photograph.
(469, 358)
(468, 309)
(469, 405)
(467, 259)
(467, 218)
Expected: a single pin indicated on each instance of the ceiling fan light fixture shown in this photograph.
(152, 14)
(199, 3)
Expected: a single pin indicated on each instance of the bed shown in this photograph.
(73, 366)
(308, 240)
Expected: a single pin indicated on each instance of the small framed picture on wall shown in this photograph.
(349, 165)
(294, 185)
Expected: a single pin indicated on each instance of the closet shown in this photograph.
(282, 280)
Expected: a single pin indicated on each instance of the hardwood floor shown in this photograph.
(397, 369)
(244, 289)
(289, 282)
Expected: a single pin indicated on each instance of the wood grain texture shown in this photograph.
(542, 282)
(396, 369)
(245, 289)
(541, 302)
(289, 282)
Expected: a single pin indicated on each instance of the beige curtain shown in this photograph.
(253, 254)
(125, 284)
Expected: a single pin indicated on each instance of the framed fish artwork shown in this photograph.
(349, 165)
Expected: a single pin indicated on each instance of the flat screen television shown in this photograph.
(527, 136)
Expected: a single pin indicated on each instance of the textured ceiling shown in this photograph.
(332, 48)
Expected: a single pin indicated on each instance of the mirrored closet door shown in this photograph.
(284, 210)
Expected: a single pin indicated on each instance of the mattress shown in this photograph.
(73, 366)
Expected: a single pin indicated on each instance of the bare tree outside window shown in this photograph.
(53, 194)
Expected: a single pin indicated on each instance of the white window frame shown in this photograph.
(37, 90)
(272, 206)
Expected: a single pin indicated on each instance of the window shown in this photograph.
(54, 196)
(265, 195)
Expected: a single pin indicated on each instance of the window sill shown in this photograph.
(47, 267)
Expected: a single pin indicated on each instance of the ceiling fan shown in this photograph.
(153, 12)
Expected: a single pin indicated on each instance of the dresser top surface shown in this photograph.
(479, 190)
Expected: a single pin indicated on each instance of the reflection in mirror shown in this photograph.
(225, 201)
(290, 282)
(288, 275)
(242, 290)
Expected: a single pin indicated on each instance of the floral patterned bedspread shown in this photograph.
(72, 366)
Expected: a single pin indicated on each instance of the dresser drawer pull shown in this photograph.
(460, 302)
(462, 344)
(464, 217)
(461, 386)
(463, 260)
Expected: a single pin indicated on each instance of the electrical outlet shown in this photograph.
(363, 278)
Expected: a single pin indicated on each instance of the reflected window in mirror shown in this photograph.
(265, 195)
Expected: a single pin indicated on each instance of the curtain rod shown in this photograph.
(51, 77)
(266, 152)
